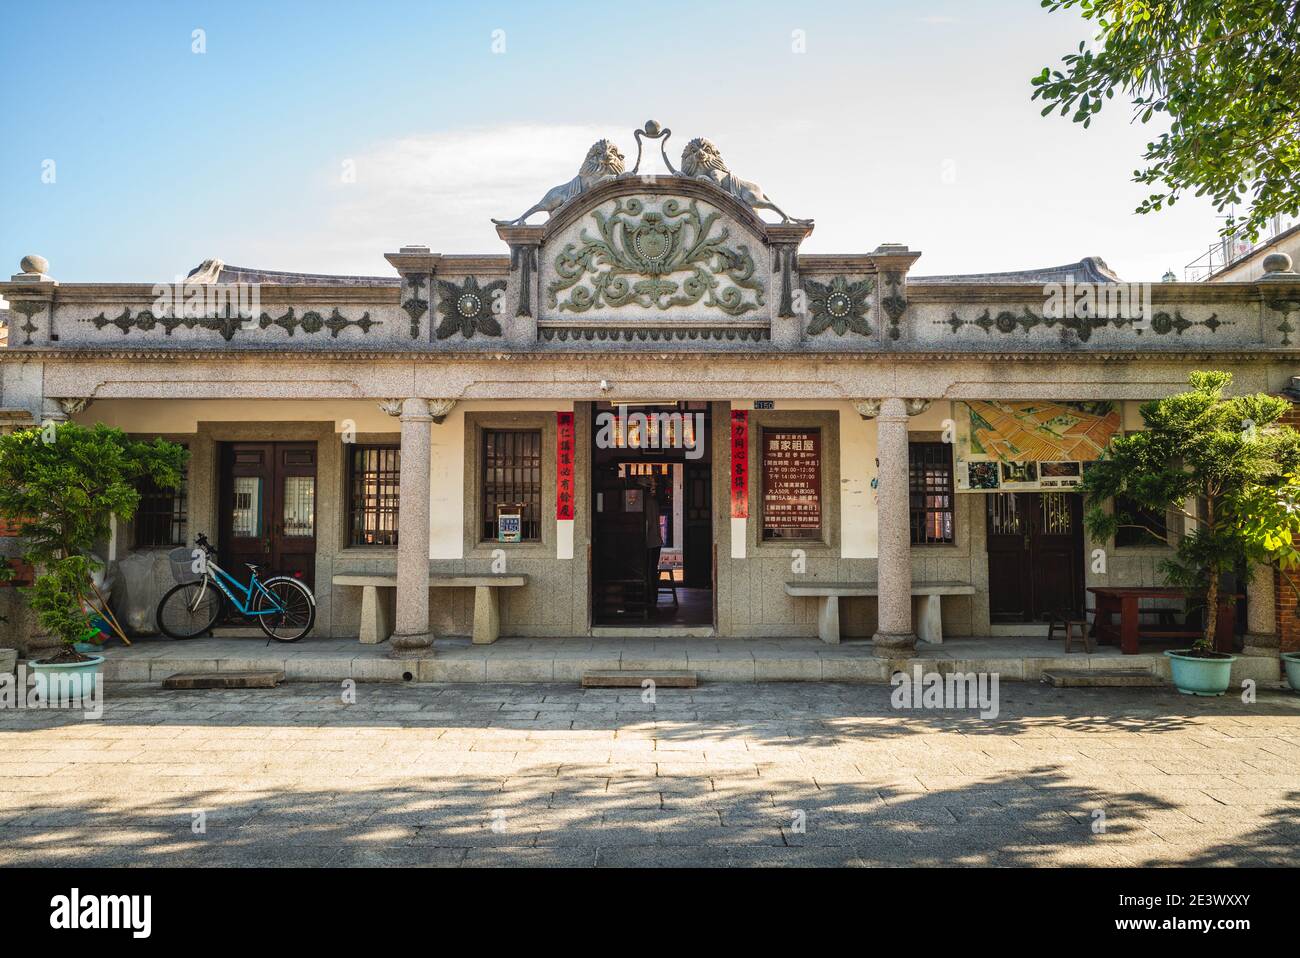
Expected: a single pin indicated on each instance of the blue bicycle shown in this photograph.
(283, 606)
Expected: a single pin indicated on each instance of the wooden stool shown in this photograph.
(668, 585)
(1069, 622)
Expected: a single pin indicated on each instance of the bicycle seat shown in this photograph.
(251, 566)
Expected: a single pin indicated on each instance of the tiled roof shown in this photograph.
(244, 274)
(1090, 269)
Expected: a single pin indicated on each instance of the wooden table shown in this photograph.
(1122, 601)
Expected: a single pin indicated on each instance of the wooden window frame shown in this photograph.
(532, 527)
(922, 516)
(175, 517)
(356, 534)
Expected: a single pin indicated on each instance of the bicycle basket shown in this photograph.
(182, 563)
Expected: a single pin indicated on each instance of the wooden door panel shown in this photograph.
(294, 549)
(1055, 548)
(246, 506)
(697, 549)
(267, 512)
(1007, 524)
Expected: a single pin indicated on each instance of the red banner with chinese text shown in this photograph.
(564, 452)
(740, 464)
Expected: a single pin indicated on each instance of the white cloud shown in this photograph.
(439, 189)
(866, 183)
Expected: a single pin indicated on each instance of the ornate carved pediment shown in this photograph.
(686, 253)
(655, 254)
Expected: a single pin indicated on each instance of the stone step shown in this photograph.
(634, 678)
(1100, 678)
(243, 679)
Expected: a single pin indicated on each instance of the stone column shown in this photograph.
(1261, 620)
(894, 634)
(411, 637)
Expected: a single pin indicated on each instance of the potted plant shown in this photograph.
(62, 484)
(1291, 662)
(1233, 457)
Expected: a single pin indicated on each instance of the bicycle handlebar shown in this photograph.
(201, 541)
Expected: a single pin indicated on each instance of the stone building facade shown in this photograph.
(858, 424)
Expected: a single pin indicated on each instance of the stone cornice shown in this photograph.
(455, 265)
(649, 353)
(969, 294)
(141, 294)
(836, 263)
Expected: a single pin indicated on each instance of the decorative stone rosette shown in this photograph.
(468, 308)
(839, 305)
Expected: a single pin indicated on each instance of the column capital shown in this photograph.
(867, 408)
(890, 407)
(70, 406)
(416, 409)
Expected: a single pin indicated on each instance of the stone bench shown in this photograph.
(375, 624)
(927, 618)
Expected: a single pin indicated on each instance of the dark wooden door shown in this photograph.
(1008, 549)
(268, 507)
(619, 546)
(697, 531)
(1035, 551)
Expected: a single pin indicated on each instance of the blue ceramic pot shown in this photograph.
(1197, 675)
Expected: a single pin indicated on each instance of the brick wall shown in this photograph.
(1284, 595)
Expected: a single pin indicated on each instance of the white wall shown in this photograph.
(447, 475)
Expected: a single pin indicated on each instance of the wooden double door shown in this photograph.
(1035, 551)
(268, 508)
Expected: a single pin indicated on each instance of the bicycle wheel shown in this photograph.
(188, 609)
(297, 613)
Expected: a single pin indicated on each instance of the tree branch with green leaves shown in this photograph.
(1225, 73)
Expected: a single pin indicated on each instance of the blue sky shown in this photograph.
(318, 136)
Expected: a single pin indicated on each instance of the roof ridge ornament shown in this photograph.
(604, 162)
(701, 160)
(652, 130)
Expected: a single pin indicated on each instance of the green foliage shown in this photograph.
(1230, 454)
(1226, 73)
(62, 484)
(56, 598)
(7, 572)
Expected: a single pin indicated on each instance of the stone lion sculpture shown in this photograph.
(604, 162)
(701, 160)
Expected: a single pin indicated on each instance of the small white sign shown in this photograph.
(509, 527)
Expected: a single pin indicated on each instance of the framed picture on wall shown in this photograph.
(982, 475)
(634, 500)
(1019, 472)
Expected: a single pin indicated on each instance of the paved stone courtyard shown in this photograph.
(546, 774)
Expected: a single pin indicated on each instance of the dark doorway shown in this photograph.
(268, 507)
(652, 515)
(1035, 549)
